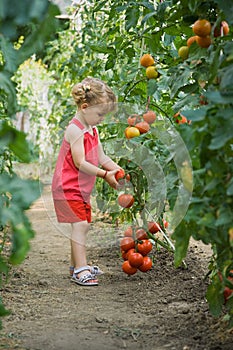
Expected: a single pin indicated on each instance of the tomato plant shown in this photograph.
(159, 29)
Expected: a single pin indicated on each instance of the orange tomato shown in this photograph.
(131, 132)
(202, 27)
(203, 42)
(191, 40)
(128, 269)
(147, 60)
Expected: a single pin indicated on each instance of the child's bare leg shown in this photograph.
(78, 245)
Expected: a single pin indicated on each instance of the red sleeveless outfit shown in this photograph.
(71, 188)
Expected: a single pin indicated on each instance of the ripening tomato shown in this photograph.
(132, 120)
(145, 247)
(165, 223)
(146, 265)
(143, 127)
(127, 268)
(127, 243)
(128, 232)
(135, 259)
(141, 234)
(153, 227)
(120, 174)
(131, 132)
(149, 117)
(125, 200)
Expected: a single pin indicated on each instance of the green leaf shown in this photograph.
(227, 8)
(152, 87)
(147, 16)
(3, 310)
(217, 97)
(9, 54)
(15, 140)
(181, 236)
(131, 18)
(222, 135)
(230, 188)
(225, 216)
(110, 62)
(215, 297)
(195, 114)
(7, 85)
(102, 47)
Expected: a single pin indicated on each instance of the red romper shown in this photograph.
(71, 188)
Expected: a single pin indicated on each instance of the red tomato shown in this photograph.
(141, 234)
(128, 232)
(153, 227)
(227, 293)
(145, 247)
(124, 255)
(129, 252)
(127, 177)
(126, 200)
(127, 243)
(146, 265)
(120, 174)
(165, 223)
(135, 259)
(127, 268)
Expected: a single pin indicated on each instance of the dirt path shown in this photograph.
(159, 310)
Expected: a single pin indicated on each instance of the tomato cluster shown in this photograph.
(138, 125)
(135, 247)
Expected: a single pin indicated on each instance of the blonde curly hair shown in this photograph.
(93, 91)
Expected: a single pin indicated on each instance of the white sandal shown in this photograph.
(85, 280)
(94, 270)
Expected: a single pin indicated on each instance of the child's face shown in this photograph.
(95, 115)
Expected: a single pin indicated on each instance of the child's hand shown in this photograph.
(110, 178)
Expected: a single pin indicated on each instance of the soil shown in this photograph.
(162, 309)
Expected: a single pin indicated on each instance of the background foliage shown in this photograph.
(107, 44)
